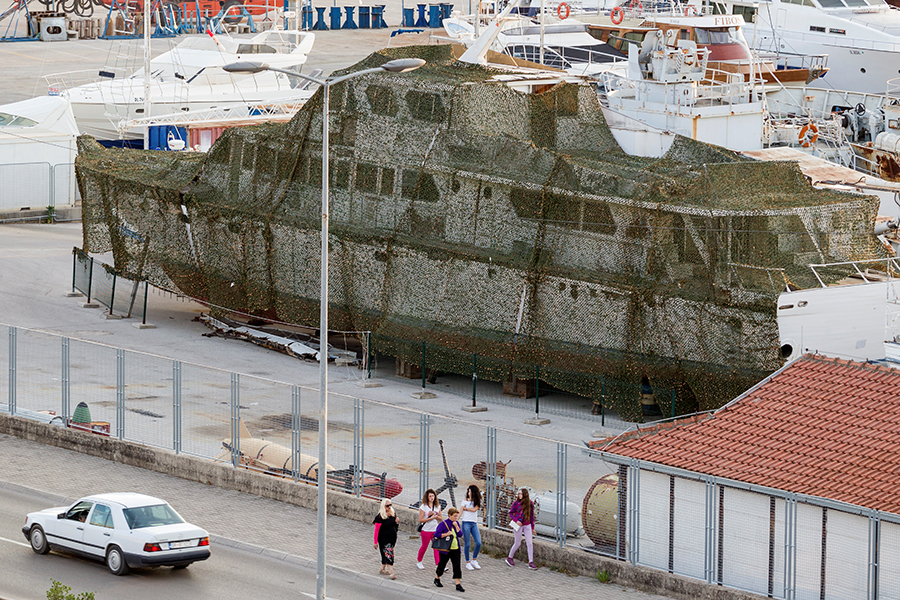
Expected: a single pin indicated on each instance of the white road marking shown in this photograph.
(3, 539)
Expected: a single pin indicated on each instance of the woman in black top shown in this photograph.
(386, 525)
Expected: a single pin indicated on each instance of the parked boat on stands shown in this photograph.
(187, 79)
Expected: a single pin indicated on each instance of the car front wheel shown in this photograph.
(39, 540)
(115, 560)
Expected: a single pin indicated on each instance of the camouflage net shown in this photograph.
(482, 220)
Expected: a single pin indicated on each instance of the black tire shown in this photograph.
(232, 19)
(38, 540)
(115, 561)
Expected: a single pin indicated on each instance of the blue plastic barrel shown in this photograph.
(378, 17)
(364, 17)
(409, 17)
(336, 17)
(434, 16)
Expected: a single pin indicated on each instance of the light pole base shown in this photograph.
(424, 395)
(472, 409)
(143, 325)
(537, 421)
(368, 383)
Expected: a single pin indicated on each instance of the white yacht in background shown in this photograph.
(860, 37)
(567, 45)
(187, 79)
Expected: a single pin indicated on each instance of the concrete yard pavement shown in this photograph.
(281, 530)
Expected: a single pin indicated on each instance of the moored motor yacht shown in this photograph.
(189, 78)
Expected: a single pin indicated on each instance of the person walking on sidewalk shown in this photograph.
(386, 525)
(469, 520)
(449, 528)
(521, 519)
(429, 517)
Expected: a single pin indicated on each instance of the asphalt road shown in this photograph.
(229, 574)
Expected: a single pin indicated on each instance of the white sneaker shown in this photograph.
(469, 566)
(420, 565)
(475, 564)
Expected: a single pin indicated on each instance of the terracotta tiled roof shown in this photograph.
(823, 426)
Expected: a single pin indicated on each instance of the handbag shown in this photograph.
(442, 543)
(419, 527)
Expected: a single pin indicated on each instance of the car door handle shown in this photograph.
(80, 528)
(106, 534)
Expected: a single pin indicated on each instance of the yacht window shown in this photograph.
(748, 12)
(8, 120)
(255, 49)
(712, 36)
(877, 2)
(856, 2)
(832, 3)
(816, 28)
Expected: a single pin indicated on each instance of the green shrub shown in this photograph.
(59, 591)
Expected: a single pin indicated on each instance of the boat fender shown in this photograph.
(617, 15)
(690, 10)
(562, 11)
(809, 134)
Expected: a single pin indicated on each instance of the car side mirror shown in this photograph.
(61, 515)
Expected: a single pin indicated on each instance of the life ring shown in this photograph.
(640, 7)
(690, 10)
(807, 140)
(563, 8)
(617, 15)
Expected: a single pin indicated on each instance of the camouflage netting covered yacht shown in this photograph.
(486, 221)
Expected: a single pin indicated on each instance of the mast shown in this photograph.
(147, 71)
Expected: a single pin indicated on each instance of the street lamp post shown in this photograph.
(401, 65)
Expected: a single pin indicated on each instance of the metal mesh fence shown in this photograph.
(764, 541)
(38, 382)
(25, 185)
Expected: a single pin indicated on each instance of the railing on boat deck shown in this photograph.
(890, 270)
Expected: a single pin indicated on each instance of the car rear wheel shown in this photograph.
(38, 540)
(115, 560)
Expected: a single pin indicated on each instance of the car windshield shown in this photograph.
(151, 516)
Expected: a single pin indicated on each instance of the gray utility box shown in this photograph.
(53, 29)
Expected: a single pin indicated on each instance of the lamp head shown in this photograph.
(245, 67)
(403, 65)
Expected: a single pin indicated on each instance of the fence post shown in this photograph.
(474, 377)
(12, 371)
(423, 365)
(709, 542)
(424, 434)
(359, 424)
(368, 355)
(235, 420)
(634, 511)
(90, 278)
(790, 547)
(176, 406)
(295, 431)
(144, 317)
(120, 394)
(490, 483)
(874, 574)
(74, 266)
(562, 467)
(537, 390)
(64, 376)
(112, 298)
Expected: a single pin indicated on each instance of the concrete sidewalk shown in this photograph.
(280, 530)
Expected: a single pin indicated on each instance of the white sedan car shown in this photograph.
(124, 530)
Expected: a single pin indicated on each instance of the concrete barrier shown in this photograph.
(569, 560)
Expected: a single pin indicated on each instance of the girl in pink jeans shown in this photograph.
(521, 519)
(429, 517)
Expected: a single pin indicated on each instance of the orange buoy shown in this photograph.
(809, 134)
(689, 10)
(617, 15)
(562, 11)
